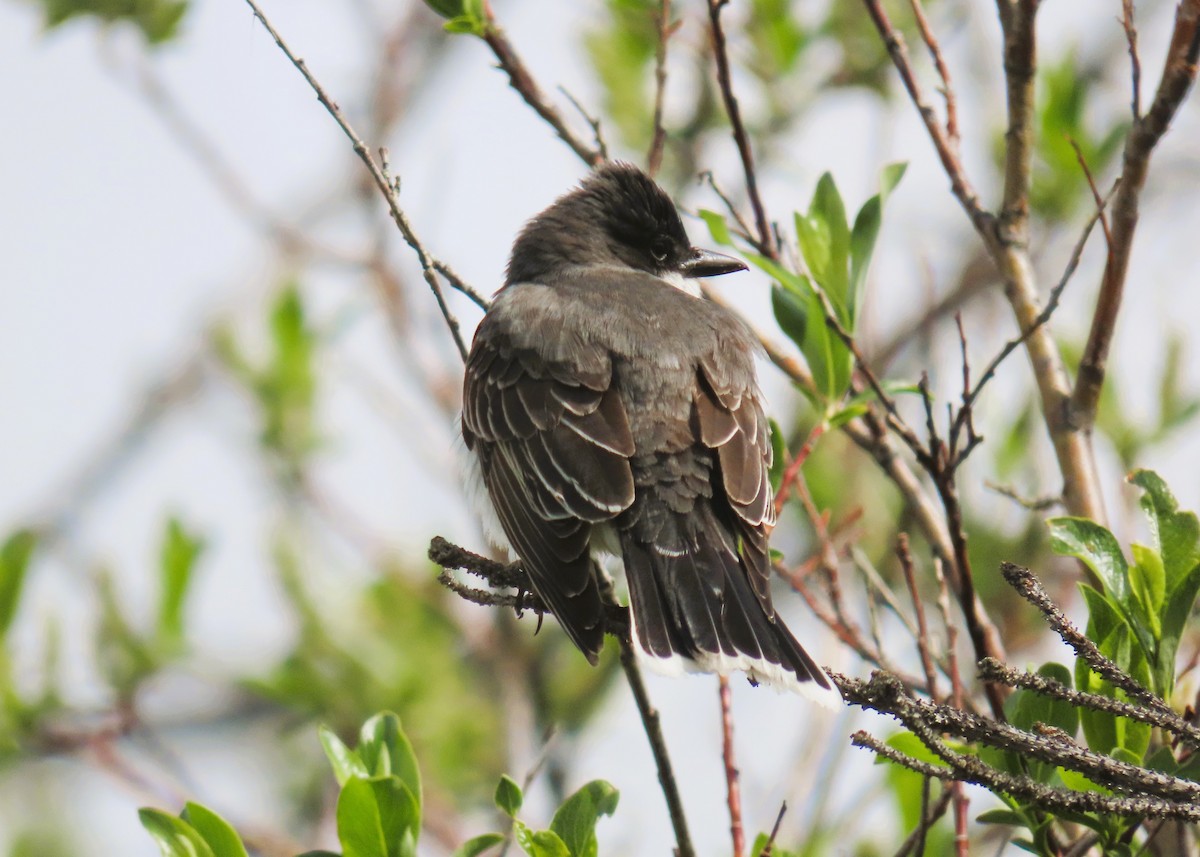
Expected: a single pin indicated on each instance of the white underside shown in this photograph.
(690, 285)
(606, 545)
(763, 672)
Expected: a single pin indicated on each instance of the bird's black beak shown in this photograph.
(706, 263)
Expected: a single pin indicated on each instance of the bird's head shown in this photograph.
(617, 216)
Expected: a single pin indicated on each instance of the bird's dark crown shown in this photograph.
(617, 216)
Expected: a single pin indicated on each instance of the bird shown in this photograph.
(609, 409)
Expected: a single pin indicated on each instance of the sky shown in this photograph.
(117, 254)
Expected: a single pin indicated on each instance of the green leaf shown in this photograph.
(863, 236)
(1097, 548)
(717, 227)
(216, 831)
(385, 749)
(791, 313)
(1175, 616)
(905, 784)
(1148, 581)
(508, 796)
(344, 761)
(377, 817)
(575, 821)
(778, 456)
(180, 550)
(1001, 816)
(1026, 708)
(173, 836)
(1078, 782)
(1176, 534)
(15, 554)
(157, 19)
(446, 8)
(824, 238)
(542, 843)
(477, 845)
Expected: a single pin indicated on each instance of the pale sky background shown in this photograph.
(116, 253)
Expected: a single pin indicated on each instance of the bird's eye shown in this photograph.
(660, 249)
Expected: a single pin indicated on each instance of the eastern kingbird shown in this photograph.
(608, 408)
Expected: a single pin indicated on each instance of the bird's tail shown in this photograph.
(695, 611)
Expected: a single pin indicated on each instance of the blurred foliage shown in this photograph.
(379, 808)
(622, 52)
(285, 385)
(127, 655)
(396, 634)
(158, 20)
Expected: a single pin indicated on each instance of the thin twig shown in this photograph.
(733, 791)
(522, 81)
(1030, 588)
(381, 179)
(1051, 303)
(659, 138)
(906, 564)
(991, 669)
(658, 746)
(915, 843)
(939, 62)
(763, 243)
(592, 120)
(770, 843)
(1179, 73)
(957, 695)
(1135, 64)
(947, 152)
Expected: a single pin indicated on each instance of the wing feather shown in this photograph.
(554, 443)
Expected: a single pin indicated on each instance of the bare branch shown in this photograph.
(994, 670)
(658, 745)
(659, 139)
(733, 791)
(939, 62)
(1135, 64)
(764, 242)
(1029, 588)
(946, 150)
(381, 179)
(1179, 73)
(522, 81)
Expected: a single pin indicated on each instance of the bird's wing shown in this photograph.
(554, 443)
(730, 421)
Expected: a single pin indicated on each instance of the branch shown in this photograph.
(1051, 304)
(429, 265)
(991, 669)
(732, 790)
(946, 151)
(522, 81)
(1006, 237)
(1029, 588)
(658, 745)
(1162, 795)
(971, 770)
(764, 243)
(1178, 76)
(1135, 64)
(939, 62)
(659, 139)
(501, 576)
